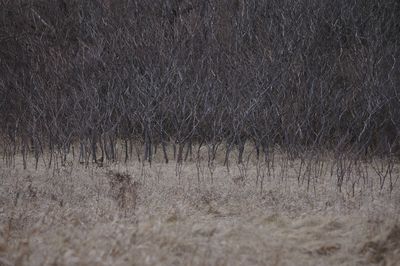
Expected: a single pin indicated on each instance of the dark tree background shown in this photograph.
(316, 75)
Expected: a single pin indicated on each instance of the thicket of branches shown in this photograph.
(316, 75)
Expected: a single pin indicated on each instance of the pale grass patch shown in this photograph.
(133, 215)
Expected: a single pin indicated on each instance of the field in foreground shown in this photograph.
(134, 215)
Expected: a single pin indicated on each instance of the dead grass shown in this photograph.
(129, 215)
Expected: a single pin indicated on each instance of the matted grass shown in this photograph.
(133, 215)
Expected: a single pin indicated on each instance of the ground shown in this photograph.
(130, 214)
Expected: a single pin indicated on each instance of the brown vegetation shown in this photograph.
(133, 214)
(191, 132)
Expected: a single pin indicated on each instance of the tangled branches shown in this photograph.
(294, 75)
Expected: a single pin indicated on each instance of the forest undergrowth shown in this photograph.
(187, 214)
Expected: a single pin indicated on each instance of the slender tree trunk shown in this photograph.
(126, 151)
(164, 147)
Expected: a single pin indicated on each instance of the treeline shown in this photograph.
(315, 75)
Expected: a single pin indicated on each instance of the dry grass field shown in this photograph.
(127, 214)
